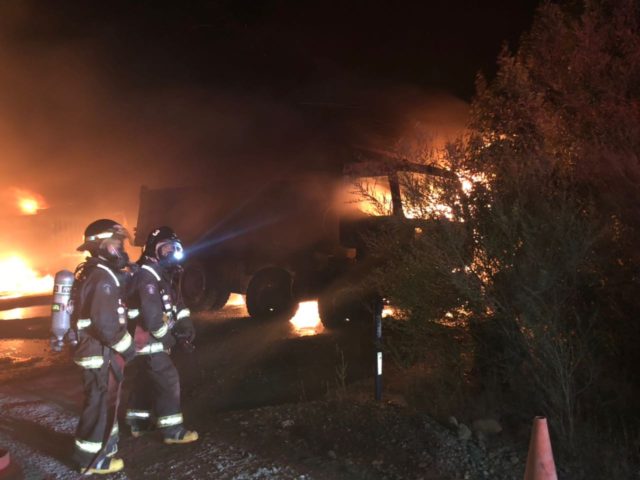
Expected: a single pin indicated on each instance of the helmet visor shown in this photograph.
(120, 232)
(170, 250)
(117, 232)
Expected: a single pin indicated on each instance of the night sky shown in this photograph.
(97, 98)
(280, 46)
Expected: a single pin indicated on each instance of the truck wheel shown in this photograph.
(199, 290)
(342, 309)
(270, 294)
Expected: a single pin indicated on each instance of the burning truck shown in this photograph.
(299, 238)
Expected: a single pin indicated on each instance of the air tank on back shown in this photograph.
(60, 311)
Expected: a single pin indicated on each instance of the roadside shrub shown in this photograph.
(539, 250)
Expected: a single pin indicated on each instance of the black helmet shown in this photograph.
(164, 245)
(105, 238)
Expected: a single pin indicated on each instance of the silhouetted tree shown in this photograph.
(547, 269)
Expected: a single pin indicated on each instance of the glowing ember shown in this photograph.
(307, 319)
(17, 278)
(29, 203)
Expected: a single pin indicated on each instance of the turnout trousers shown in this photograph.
(97, 431)
(155, 395)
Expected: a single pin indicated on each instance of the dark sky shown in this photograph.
(283, 46)
(99, 97)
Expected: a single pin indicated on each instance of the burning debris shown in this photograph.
(306, 321)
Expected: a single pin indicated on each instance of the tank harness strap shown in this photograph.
(153, 272)
(108, 270)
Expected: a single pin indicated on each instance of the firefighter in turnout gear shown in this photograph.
(104, 344)
(160, 319)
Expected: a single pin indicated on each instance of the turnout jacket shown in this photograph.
(99, 315)
(156, 308)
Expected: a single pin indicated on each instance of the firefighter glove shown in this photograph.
(168, 341)
(184, 329)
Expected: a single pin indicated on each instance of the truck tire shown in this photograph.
(199, 289)
(341, 309)
(270, 294)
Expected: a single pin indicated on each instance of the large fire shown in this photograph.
(18, 278)
(373, 196)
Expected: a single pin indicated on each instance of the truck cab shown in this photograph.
(288, 240)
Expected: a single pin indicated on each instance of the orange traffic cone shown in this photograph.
(540, 464)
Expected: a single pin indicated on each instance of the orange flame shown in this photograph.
(306, 321)
(389, 311)
(17, 278)
(28, 202)
(236, 300)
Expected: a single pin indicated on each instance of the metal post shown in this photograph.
(377, 342)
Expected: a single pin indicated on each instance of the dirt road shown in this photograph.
(239, 364)
(268, 403)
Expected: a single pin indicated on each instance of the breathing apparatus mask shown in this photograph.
(164, 246)
(169, 252)
(112, 249)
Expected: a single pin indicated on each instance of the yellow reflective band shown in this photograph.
(83, 323)
(170, 420)
(185, 312)
(133, 313)
(151, 348)
(86, 446)
(138, 414)
(123, 344)
(161, 332)
(90, 362)
(115, 430)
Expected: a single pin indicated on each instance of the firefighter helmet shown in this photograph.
(164, 245)
(105, 238)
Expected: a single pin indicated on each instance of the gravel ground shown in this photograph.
(38, 435)
(321, 439)
(373, 441)
(240, 393)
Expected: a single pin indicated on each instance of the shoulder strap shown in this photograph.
(76, 301)
(108, 270)
(153, 272)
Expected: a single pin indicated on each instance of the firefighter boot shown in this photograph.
(104, 467)
(181, 436)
